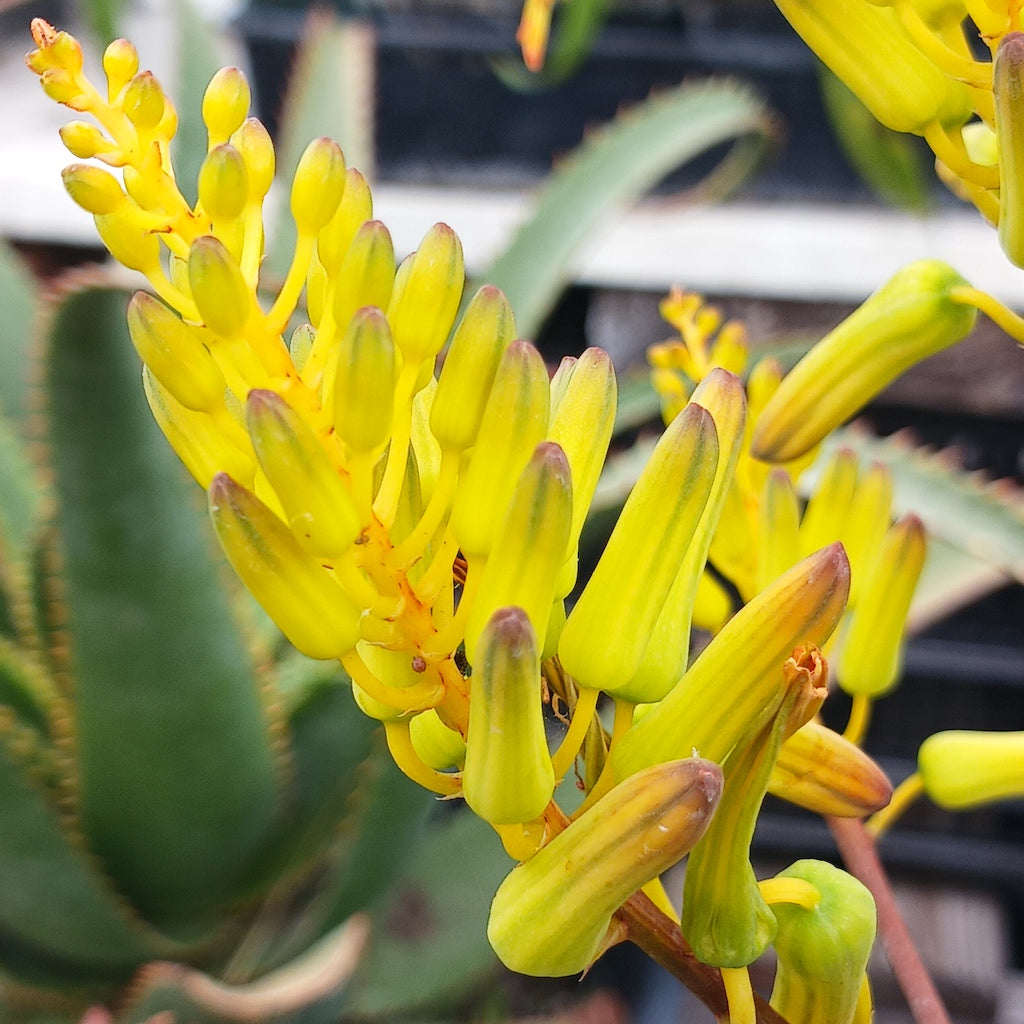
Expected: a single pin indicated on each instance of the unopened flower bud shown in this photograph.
(366, 274)
(427, 295)
(354, 210)
(486, 329)
(126, 234)
(292, 586)
(144, 101)
(507, 776)
(175, 353)
(823, 950)
(1008, 90)
(871, 655)
(641, 559)
(225, 104)
(820, 770)
(909, 318)
(218, 288)
(318, 185)
(364, 383)
(803, 606)
(93, 189)
(962, 769)
(222, 186)
(527, 556)
(320, 508)
(120, 65)
(779, 528)
(551, 916)
(254, 143)
(437, 746)
(86, 140)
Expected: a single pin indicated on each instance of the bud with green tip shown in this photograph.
(822, 951)
(551, 916)
(513, 424)
(964, 768)
(641, 559)
(870, 658)
(427, 293)
(484, 332)
(734, 685)
(528, 552)
(320, 508)
(292, 585)
(507, 777)
(912, 316)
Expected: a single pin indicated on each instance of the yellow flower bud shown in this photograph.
(93, 189)
(866, 524)
(910, 317)
(253, 142)
(507, 776)
(364, 383)
(823, 950)
(427, 295)
(641, 559)
(126, 234)
(120, 65)
(820, 770)
(144, 101)
(513, 424)
(871, 654)
(552, 915)
(175, 354)
(486, 329)
(354, 209)
(220, 293)
(583, 406)
(294, 589)
(366, 273)
(85, 141)
(197, 438)
(320, 508)
(318, 185)
(1008, 89)
(222, 186)
(826, 514)
(962, 769)
(867, 48)
(779, 528)
(527, 555)
(437, 746)
(225, 104)
(736, 682)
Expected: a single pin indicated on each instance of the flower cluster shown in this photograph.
(401, 484)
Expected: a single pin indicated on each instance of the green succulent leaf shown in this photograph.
(613, 167)
(178, 780)
(18, 301)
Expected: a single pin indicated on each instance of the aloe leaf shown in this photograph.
(59, 921)
(427, 949)
(330, 93)
(614, 166)
(18, 301)
(177, 775)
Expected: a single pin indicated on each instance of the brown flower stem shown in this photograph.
(660, 938)
(861, 857)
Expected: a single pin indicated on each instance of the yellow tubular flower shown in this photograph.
(867, 524)
(426, 297)
(822, 950)
(295, 590)
(318, 502)
(527, 556)
(507, 776)
(583, 401)
(640, 562)
(779, 528)
(820, 770)
(552, 916)
(1008, 86)
(827, 512)
(961, 769)
(914, 315)
(867, 48)
(485, 331)
(747, 657)
(513, 424)
(871, 652)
